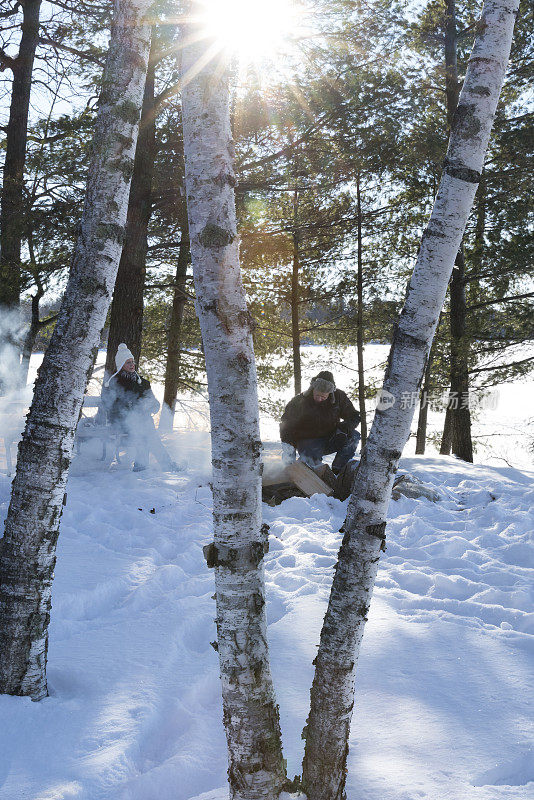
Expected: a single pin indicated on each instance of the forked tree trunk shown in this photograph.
(174, 339)
(359, 318)
(446, 437)
(31, 336)
(126, 318)
(420, 442)
(251, 719)
(462, 445)
(12, 212)
(332, 695)
(28, 549)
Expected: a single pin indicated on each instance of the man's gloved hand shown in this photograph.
(347, 428)
(288, 453)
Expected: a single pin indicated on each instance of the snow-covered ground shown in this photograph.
(444, 687)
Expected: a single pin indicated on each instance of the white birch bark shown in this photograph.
(28, 549)
(256, 769)
(332, 695)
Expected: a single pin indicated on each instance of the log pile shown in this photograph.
(299, 480)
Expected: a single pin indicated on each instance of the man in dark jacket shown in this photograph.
(130, 402)
(319, 421)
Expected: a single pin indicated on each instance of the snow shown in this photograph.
(134, 710)
(443, 691)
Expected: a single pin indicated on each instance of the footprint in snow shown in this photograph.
(518, 772)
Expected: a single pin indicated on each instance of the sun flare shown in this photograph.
(253, 30)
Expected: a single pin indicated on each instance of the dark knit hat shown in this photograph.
(324, 382)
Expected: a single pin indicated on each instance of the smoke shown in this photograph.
(14, 398)
(12, 331)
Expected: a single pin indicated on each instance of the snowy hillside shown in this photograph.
(444, 699)
(443, 706)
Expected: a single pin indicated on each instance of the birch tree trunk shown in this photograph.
(28, 549)
(251, 720)
(332, 694)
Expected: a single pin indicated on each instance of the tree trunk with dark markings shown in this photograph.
(332, 694)
(28, 549)
(256, 768)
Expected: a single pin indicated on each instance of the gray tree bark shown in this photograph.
(462, 445)
(359, 319)
(251, 720)
(460, 416)
(295, 298)
(174, 339)
(28, 549)
(126, 317)
(446, 438)
(332, 694)
(12, 211)
(420, 442)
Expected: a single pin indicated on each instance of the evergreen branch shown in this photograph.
(476, 276)
(48, 139)
(163, 245)
(500, 300)
(501, 366)
(467, 30)
(288, 148)
(170, 286)
(44, 322)
(72, 50)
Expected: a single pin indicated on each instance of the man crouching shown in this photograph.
(320, 421)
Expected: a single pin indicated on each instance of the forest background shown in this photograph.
(340, 142)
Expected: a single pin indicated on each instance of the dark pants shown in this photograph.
(312, 450)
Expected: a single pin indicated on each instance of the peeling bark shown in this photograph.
(28, 549)
(332, 694)
(256, 769)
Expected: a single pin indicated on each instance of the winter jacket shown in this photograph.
(129, 393)
(303, 418)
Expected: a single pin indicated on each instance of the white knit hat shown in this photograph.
(122, 355)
